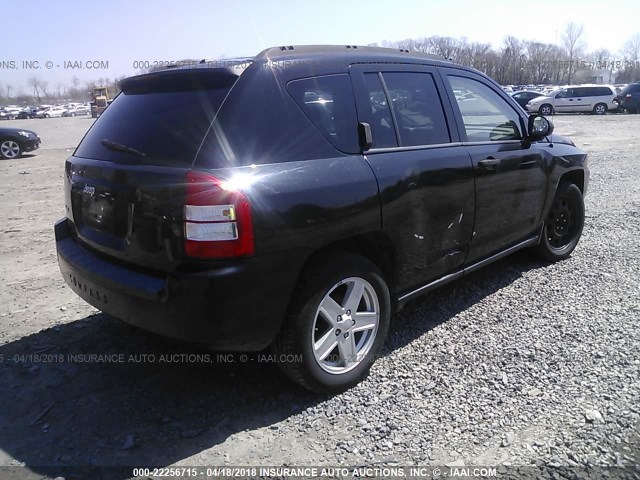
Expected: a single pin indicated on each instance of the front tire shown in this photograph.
(564, 223)
(545, 110)
(600, 109)
(336, 325)
(9, 149)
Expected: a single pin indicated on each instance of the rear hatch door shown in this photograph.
(126, 182)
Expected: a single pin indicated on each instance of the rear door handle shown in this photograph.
(489, 163)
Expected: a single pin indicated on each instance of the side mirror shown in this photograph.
(364, 136)
(538, 128)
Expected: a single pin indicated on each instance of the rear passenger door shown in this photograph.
(424, 174)
(583, 99)
(510, 175)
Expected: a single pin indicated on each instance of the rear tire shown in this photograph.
(564, 223)
(600, 109)
(336, 324)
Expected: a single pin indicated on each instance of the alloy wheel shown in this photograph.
(10, 149)
(545, 110)
(345, 325)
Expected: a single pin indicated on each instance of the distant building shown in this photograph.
(595, 76)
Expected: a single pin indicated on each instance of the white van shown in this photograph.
(597, 99)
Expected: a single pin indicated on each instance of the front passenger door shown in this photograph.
(510, 175)
(565, 101)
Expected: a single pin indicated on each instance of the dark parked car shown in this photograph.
(629, 98)
(300, 199)
(28, 112)
(15, 141)
(524, 96)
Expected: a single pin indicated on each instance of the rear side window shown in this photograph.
(485, 114)
(329, 104)
(417, 108)
(382, 128)
(165, 122)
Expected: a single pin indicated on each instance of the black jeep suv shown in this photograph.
(629, 98)
(297, 199)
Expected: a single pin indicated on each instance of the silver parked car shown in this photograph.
(597, 99)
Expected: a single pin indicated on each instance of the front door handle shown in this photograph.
(489, 163)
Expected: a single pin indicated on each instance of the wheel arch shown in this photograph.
(377, 247)
(573, 176)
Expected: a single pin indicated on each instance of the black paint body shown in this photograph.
(423, 213)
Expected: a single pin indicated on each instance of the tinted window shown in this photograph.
(417, 108)
(486, 115)
(603, 91)
(166, 125)
(566, 93)
(382, 129)
(329, 104)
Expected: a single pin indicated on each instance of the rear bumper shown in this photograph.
(231, 308)
(629, 104)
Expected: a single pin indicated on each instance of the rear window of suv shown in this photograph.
(163, 117)
(329, 104)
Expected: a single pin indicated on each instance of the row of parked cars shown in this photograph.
(597, 99)
(12, 112)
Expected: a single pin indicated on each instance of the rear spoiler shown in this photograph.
(182, 79)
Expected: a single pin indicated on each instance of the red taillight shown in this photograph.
(217, 221)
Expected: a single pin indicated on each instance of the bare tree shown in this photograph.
(35, 83)
(8, 89)
(446, 47)
(43, 88)
(631, 54)
(631, 49)
(59, 89)
(573, 44)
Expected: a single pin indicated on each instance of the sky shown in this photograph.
(129, 33)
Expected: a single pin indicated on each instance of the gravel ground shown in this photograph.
(519, 364)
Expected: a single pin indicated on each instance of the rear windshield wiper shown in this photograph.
(121, 148)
